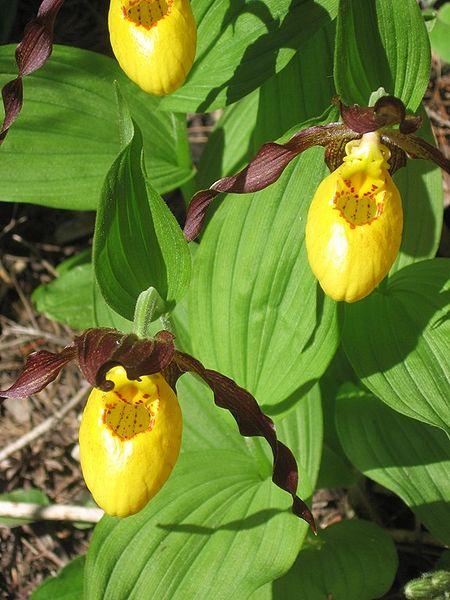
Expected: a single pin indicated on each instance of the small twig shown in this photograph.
(16, 329)
(45, 552)
(437, 117)
(23, 298)
(52, 512)
(45, 426)
(30, 547)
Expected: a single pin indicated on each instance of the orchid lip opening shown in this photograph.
(146, 13)
(128, 413)
(356, 208)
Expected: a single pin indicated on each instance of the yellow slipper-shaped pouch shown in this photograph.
(154, 42)
(355, 222)
(130, 439)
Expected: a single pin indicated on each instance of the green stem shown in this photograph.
(149, 307)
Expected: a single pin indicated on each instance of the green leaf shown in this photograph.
(301, 91)
(256, 311)
(137, 241)
(397, 341)
(351, 560)
(230, 144)
(241, 45)
(335, 469)
(302, 431)
(62, 298)
(408, 457)
(32, 495)
(67, 585)
(380, 43)
(67, 135)
(420, 185)
(440, 34)
(103, 314)
(197, 535)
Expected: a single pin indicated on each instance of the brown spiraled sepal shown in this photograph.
(263, 170)
(31, 54)
(387, 111)
(251, 421)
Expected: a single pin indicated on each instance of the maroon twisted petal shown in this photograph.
(32, 52)
(263, 170)
(41, 368)
(251, 421)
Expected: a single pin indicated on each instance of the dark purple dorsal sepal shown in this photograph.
(386, 111)
(98, 350)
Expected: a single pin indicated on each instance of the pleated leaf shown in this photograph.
(420, 185)
(398, 341)
(256, 310)
(408, 457)
(380, 43)
(206, 427)
(61, 300)
(241, 45)
(301, 91)
(137, 241)
(67, 135)
(194, 539)
(351, 560)
(335, 469)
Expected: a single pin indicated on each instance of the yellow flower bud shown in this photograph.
(130, 439)
(355, 222)
(154, 41)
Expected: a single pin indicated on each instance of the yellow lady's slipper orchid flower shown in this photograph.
(130, 431)
(355, 222)
(154, 41)
(130, 439)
